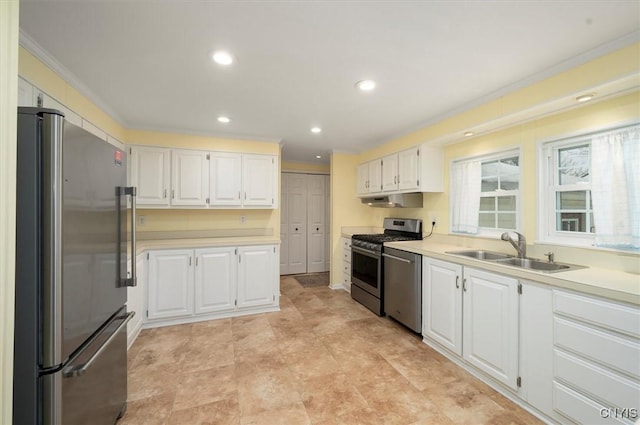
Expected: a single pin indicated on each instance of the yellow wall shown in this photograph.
(590, 117)
(346, 209)
(37, 73)
(305, 167)
(40, 75)
(580, 79)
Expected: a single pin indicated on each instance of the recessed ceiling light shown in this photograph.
(366, 85)
(316, 130)
(222, 58)
(468, 134)
(585, 97)
(318, 156)
(224, 120)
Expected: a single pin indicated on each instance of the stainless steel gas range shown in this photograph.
(367, 273)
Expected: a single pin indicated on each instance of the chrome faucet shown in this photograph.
(520, 245)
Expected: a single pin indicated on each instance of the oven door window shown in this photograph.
(365, 268)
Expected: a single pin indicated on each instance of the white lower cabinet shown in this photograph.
(442, 303)
(346, 263)
(256, 268)
(490, 324)
(135, 301)
(195, 284)
(474, 314)
(571, 358)
(596, 359)
(170, 289)
(215, 282)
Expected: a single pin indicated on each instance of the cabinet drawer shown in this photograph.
(607, 386)
(622, 354)
(346, 243)
(609, 315)
(346, 256)
(346, 279)
(582, 409)
(346, 268)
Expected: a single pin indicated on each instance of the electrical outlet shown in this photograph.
(141, 220)
(434, 220)
(243, 219)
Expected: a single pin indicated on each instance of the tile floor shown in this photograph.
(323, 359)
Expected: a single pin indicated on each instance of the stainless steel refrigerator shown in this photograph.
(72, 238)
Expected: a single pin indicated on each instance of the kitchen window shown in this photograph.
(486, 194)
(590, 190)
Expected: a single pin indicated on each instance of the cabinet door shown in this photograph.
(150, 174)
(135, 300)
(408, 164)
(315, 223)
(258, 177)
(25, 93)
(442, 303)
(491, 324)
(362, 179)
(189, 178)
(256, 276)
(170, 284)
(390, 172)
(375, 176)
(225, 184)
(215, 280)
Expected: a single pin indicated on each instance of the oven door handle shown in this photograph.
(364, 251)
(397, 258)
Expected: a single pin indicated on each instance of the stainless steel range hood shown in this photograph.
(397, 200)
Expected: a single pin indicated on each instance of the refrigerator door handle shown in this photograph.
(130, 191)
(81, 370)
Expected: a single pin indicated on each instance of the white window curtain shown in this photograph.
(466, 179)
(615, 188)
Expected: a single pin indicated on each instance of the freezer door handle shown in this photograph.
(129, 191)
(81, 370)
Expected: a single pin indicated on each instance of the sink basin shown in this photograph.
(538, 265)
(482, 255)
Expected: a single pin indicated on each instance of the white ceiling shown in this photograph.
(148, 62)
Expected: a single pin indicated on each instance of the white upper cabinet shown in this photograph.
(390, 172)
(362, 179)
(408, 169)
(189, 177)
(259, 173)
(225, 182)
(150, 174)
(25, 93)
(369, 177)
(418, 169)
(185, 178)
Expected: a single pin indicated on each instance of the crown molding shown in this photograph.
(45, 57)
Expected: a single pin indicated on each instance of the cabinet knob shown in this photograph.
(296, 229)
(317, 229)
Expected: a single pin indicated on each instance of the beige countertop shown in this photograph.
(613, 284)
(205, 242)
(348, 231)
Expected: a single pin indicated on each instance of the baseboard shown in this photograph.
(489, 381)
